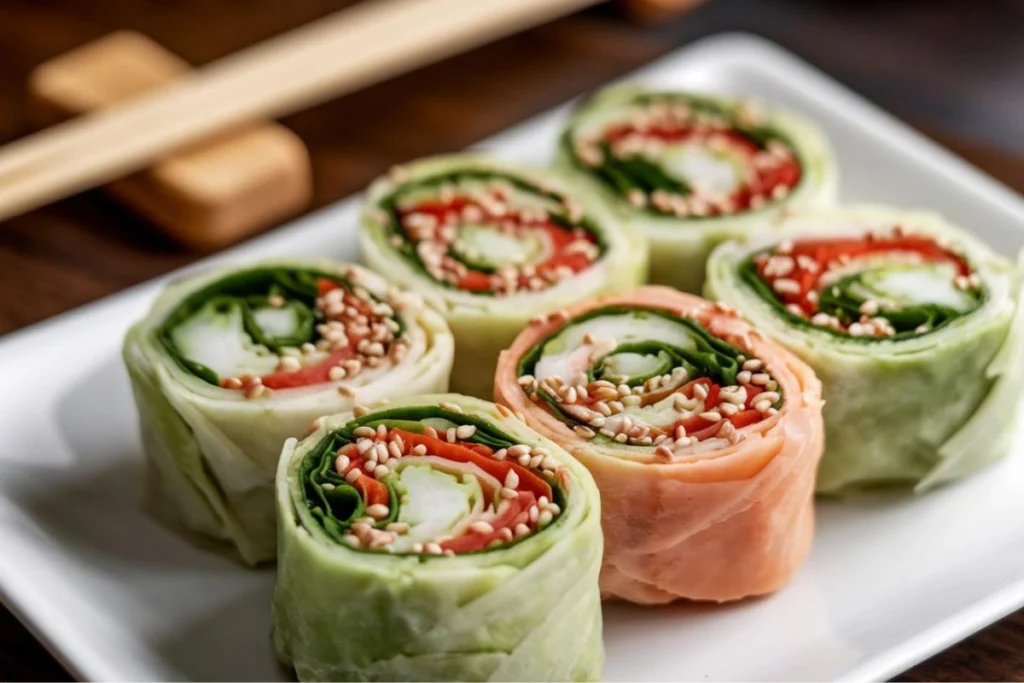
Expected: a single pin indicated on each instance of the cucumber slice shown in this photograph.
(485, 248)
(566, 354)
(930, 283)
(215, 336)
(720, 171)
(433, 502)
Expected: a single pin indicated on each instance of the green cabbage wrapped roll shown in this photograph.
(229, 364)
(493, 245)
(689, 171)
(913, 326)
(436, 539)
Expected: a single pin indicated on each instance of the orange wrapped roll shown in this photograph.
(703, 437)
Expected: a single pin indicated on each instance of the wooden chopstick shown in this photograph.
(340, 53)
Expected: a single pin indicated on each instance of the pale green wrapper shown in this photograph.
(918, 411)
(484, 325)
(211, 455)
(680, 247)
(529, 612)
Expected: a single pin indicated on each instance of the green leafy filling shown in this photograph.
(389, 204)
(636, 172)
(337, 504)
(712, 358)
(251, 291)
(843, 299)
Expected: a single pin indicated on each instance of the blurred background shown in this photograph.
(952, 69)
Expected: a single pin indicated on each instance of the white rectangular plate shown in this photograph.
(890, 581)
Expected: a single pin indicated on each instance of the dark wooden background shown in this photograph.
(953, 69)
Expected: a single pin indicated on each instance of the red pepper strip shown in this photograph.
(471, 540)
(826, 251)
(706, 432)
(478, 281)
(745, 418)
(480, 448)
(458, 452)
(323, 285)
(370, 489)
(560, 238)
(308, 375)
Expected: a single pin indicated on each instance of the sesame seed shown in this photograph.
(762, 406)
(432, 548)
(465, 431)
(364, 431)
(584, 432)
(351, 540)
(508, 493)
(360, 411)
(518, 450)
(512, 479)
(481, 527)
(500, 454)
(353, 475)
(711, 416)
(450, 435)
(381, 471)
(449, 407)
(398, 527)
(521, 530)
(621, 438)
(378, 511)
(544, 518)
(341, 464)
(700, 391)
(663, 452)
(524, 460)
(786, 286)
(394, 450)
(760, 379)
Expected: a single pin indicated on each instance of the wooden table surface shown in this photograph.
(943, 69)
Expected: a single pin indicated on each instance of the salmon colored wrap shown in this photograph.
(703, 437)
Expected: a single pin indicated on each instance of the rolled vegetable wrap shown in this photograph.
(913, 326)
(689, 171)
(229, 364)
(703, 438)
(492, 245)
(438, 539)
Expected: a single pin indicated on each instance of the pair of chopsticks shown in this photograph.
(335, 55)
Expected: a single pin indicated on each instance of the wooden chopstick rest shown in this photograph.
(206, 196)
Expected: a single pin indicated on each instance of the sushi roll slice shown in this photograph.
(492, 245)
(229, 364)
(436, 539)
(689, 171)
(703, 438)
(912, 325)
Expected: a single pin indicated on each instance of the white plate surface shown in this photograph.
(890, 581)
